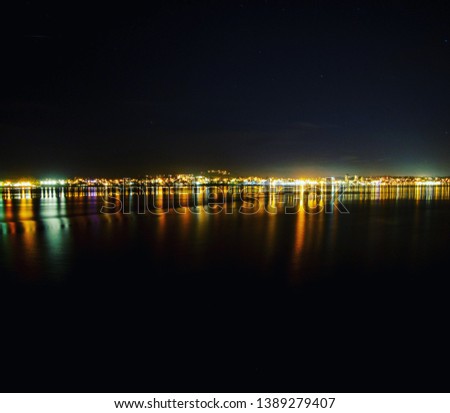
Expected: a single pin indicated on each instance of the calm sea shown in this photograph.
(208, 298)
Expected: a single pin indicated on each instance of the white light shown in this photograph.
(428, 183)
(48, 182)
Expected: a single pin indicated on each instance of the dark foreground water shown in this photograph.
(227, 301)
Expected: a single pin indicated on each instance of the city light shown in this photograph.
(23, 184)
(219, 177)
(52, 182)
(428, 183)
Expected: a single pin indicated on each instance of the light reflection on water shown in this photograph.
(46, 235)
(250, 290)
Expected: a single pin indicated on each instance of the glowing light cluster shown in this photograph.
(428, 183)
(224, 178)
(23, 184)
(52, 182)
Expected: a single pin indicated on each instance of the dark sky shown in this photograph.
(268, 87)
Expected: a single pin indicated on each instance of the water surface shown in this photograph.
(208, 300)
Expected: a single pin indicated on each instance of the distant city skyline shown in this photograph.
(222, 177)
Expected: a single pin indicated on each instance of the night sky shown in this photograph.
(268, 88)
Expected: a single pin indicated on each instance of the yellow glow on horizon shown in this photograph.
(23, 184)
